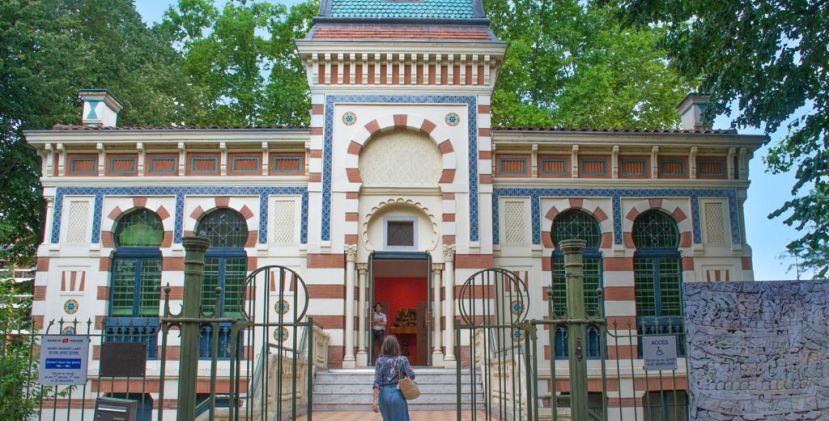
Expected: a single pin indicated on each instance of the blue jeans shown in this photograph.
(393, 406)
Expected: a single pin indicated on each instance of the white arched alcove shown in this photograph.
(400, 158)
(374, 230)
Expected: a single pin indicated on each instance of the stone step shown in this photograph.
(350, 389)
(366, 388)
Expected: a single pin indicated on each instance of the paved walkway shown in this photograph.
(370, 416)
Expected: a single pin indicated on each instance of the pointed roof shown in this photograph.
(455, 10)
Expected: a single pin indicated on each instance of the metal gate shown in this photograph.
(258, 365)
(582, 367)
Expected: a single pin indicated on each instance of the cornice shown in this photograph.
(184, 181)
(307, 47)
(645, 183)
(167, 136)
(509, 138)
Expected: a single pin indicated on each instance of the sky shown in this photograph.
(767, 238)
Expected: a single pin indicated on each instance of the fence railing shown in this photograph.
(25, 399)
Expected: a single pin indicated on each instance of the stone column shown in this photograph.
(362, 351)
(437, 353)
(348, 354)
(449, 299)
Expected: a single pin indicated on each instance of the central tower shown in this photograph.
(401, 151)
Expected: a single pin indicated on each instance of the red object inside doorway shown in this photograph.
(397, 293)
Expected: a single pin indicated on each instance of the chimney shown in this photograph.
(100, 108)
(692, 112)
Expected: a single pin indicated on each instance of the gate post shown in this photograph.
(194, 248)
(576, 329)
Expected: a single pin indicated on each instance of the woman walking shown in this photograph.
(389, 369)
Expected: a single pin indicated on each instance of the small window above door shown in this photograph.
(400, 233)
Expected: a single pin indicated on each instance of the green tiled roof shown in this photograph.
(405, 9)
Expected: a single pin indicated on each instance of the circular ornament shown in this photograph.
(69, 331)
(453, 119)
(71, 306)
(349, 118)
(281, 334)
(517, 335)
(282, 307)
(516, 307)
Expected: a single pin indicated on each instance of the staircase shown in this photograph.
(350, 389)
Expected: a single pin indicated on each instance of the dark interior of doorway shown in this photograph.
(402, 286)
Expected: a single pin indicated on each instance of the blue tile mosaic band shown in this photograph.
(179, 192)
(328, 140)
(616, 196)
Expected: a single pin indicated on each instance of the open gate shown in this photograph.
(583, 367)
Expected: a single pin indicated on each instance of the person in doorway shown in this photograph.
(388, 400)
(378, 327)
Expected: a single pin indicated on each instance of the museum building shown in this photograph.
(398, 191)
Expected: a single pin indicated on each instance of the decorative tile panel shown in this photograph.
(162, 164)
(711, 167)
(515, 220)
(593, 167)
(714, 225)
(245, 164)
(179, 193)
(633, 167)
(78, 221)
(328, 139)
(82, 164)
(553, 166)
(673, 168)
(616, 196)
(512, 165)
(287, 164)
(203, 164)
(122, 164)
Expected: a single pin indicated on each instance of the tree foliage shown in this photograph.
(48, 50)
(241, 60)
(770, 59)
(570, 64)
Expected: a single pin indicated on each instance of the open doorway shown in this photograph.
(401, 284)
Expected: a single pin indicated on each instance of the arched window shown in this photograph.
(657, 272)
(225, 261)
(569, 225)
(136, 268)
(225, 267)
(136, 280)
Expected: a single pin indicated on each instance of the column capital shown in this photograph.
(437, 267)
(351, 253)
(362, 267)
(448, 252)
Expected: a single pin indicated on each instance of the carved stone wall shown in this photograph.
(401, 158)
(758, 350)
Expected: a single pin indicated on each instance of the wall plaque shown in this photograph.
(127, 359)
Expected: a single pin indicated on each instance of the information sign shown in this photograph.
(63, 360)
(659, 352)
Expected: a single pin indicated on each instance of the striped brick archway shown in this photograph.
(399, 121)
(669, 207)
(605, 224)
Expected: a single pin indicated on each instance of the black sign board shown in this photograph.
(126, 359)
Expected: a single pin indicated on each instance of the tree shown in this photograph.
(48, 50)
(241, 60)
(18, 371)
(570, 64)
(770, 59)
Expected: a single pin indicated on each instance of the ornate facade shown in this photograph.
(400, 161)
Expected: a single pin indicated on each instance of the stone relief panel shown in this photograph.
(758, 350)
(401, 158)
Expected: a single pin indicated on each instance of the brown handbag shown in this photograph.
(407, 386)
